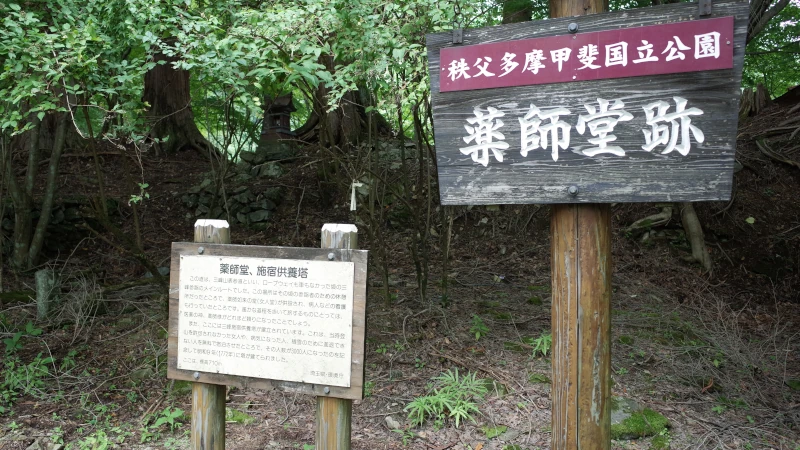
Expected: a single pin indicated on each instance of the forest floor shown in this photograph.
(717, 354)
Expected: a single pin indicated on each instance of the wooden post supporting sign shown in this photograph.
(208, 400)
(581, 268)
(581, 326)
(580, 111)
(334, 415)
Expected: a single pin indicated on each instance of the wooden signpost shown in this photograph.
(582, 111)
(270, 318)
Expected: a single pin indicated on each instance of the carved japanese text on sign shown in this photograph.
(266, 318)
(545, 129)
(628, 52)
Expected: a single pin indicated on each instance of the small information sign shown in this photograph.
(268, 317)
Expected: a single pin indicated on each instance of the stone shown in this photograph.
(275, 194)
(267, 170)
(47, 288)
(264, 203)
(243, 166)
(242, 178)
(392, 423)
(274, 150)
(244, 197)
(251, 158)
(259, 216)
(201, 210)
(622, 408)
(163, 271)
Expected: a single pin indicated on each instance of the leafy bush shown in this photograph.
(453, 396)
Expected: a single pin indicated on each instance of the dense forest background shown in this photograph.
(124, 121)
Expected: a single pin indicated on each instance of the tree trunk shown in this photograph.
(341, 126)
(166, 90)
(49, 192)
(22, 198)
(515, 11)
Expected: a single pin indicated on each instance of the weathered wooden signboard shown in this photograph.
(268, 317)
(638, 105)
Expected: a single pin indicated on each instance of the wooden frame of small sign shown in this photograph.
(359, 297)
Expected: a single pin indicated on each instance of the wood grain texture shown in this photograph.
(334, 423)
(581, 313)
(208, 400)
(704, 174)
(564, 281)
(358, 257)
(208, 417)
(594, 325)
(334, 415)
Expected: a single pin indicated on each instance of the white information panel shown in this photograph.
(280, 319)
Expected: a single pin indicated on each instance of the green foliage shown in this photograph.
(19, 377)
(453, 397)
(492, 432)
(369, 386)
(539, 378)
(234, 415)
(640, 424)
(406, 435)
(13, 343)
(661, 441)
(773, 57)
(478, 328)
(171, 417)
(542, 344)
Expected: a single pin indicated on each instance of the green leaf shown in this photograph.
(40, 115)
(750, 220)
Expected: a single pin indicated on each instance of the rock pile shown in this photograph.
(241, 202)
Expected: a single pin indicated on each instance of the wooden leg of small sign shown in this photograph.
(581, 283)
(333, 423)
(208, 400)
(334, 415)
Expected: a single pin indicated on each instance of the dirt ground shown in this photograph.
(715, 353)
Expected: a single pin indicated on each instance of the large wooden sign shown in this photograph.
(638, 105)
(269, 317)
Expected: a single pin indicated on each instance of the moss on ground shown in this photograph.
(640, 424)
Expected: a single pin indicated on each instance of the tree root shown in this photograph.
(694, 234)
(656, 220)
(772, 154)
